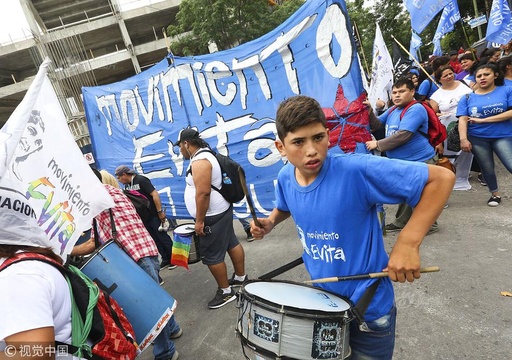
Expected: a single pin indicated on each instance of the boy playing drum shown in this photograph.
(332, 199)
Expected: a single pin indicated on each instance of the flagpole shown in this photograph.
(414, 59)
(362, 48)
(467, 39)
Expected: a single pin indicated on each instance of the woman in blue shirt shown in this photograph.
(485, 125)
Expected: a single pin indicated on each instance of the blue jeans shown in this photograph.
(163, 346)
(245, 223)
(484, 150)
(373, 340)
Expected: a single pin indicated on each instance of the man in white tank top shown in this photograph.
(213, 217)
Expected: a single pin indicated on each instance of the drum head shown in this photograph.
(297, 296)
(185, 229)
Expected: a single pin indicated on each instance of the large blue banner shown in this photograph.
(231, 98)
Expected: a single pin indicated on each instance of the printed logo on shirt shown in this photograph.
(493, 109)
(474, 112)
(324, 252)
(133, 187)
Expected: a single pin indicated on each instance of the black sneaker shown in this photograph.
(481, 179)
(172, 267)
(249, 235)
(221, 299)
(494, 201)
(165, 265)
(160, 280)
(233, 282)
(392, 228)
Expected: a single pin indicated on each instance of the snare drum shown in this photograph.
(188, 230)
(281, 320)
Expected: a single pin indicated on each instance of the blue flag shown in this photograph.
(423, 11)
(447, 21)
(499, 29)
(437, 48)
(415, 45)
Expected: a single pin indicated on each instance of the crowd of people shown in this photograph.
(473, 90)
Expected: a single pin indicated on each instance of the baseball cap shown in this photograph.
(454, 52)
(123, 169)
(187, 134)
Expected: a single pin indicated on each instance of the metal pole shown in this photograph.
(479, 27)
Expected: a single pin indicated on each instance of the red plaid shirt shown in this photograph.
(131, 233)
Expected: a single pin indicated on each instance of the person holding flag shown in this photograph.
(35, 303)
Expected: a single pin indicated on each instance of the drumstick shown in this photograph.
(365, 276)
(248, 197)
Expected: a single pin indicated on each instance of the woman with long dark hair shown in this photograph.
(485, 127)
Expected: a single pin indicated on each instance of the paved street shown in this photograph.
(457, 313)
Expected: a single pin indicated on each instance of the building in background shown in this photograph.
(90, 42)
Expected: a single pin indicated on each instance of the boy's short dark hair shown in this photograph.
(403, 81)
(298, 111)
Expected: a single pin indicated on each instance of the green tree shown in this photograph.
(227, 23)
(392, 18)
(363, 20)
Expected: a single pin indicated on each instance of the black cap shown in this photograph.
(454, 52)
(187, 134)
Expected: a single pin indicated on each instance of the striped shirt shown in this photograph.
(131, 233)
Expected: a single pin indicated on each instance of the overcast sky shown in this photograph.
(14, 27)
(12, 22)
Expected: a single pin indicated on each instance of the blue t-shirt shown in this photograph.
(415, 120)
(508, 82)
(427, 88)
(482, 106)
(337, 221)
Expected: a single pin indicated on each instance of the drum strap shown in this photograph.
(360, 309)
(114, 230)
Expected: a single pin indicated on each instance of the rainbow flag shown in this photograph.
(181, 250)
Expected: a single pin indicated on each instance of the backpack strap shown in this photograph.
(80, 328)
(114, 230)
(402, 114)
(213, 153)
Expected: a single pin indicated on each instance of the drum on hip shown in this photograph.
(146, 304)
(287, 320)
(188, 230)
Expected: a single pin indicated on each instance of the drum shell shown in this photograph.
(146, 304)
(269, 330)
(194, 254)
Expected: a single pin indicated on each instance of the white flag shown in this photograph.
(46, 186)
(382, 71)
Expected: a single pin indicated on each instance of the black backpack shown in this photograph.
(140, 202)
(231, 189)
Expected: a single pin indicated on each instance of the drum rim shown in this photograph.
(291, 309)
(96, 252)
(267, 353)
(191, 232)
